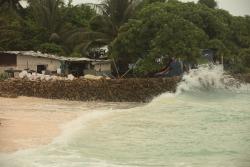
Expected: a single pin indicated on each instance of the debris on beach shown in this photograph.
(36, 76)
(71, 77)
(92, 77)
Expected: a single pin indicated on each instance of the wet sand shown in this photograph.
(27, 122)
(27, 127)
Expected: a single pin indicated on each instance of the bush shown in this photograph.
(4, 76)
(75, 54)
(51, 48)
(238, 68)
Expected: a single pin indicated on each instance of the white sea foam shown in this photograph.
(208, 78)
(71, 128)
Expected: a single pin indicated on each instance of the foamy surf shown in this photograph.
(210, 78)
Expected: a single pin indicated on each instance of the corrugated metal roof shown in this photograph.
(51, 56)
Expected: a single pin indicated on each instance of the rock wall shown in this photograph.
(243, 77)
(125, 90)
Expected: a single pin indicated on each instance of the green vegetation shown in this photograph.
(51, 48)
(209, 3)
(12, 4)
(45, 25)
(134, 30)
(4, 76)
(181, 29)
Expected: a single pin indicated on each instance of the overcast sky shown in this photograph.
(235, 7)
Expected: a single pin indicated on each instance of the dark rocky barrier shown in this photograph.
(125, 90)
(243, 77)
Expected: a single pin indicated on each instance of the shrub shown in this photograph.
(4, 76)
(51, 48)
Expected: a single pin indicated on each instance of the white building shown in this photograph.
(17, 61)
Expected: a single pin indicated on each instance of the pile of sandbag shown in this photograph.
(93, 77)
(37, 76)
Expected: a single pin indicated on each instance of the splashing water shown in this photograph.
(206, 123)
(210, 78)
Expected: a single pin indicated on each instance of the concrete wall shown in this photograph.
(105, 67)
(24, 62)
(31, 62)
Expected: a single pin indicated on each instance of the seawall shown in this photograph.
(243, 77)
(123, 90)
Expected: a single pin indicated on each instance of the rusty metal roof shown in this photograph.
(51, 56)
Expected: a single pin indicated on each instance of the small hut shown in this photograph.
(14, 62)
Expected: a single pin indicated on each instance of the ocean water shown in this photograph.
(206, 123)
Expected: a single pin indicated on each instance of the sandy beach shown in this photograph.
(28, 125)
(30, 122)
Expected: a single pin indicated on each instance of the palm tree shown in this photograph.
(9, 32)
(46, 14)
(104, 27)
(11, 4)
(117, 12)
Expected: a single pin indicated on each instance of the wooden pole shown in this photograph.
(117, 72)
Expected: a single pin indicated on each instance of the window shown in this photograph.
(41, 68)
(7, 59)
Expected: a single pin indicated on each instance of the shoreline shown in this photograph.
(28, 122)
(28, 129)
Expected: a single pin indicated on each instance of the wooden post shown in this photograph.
(116, 68)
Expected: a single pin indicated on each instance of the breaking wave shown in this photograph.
(210, 78)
